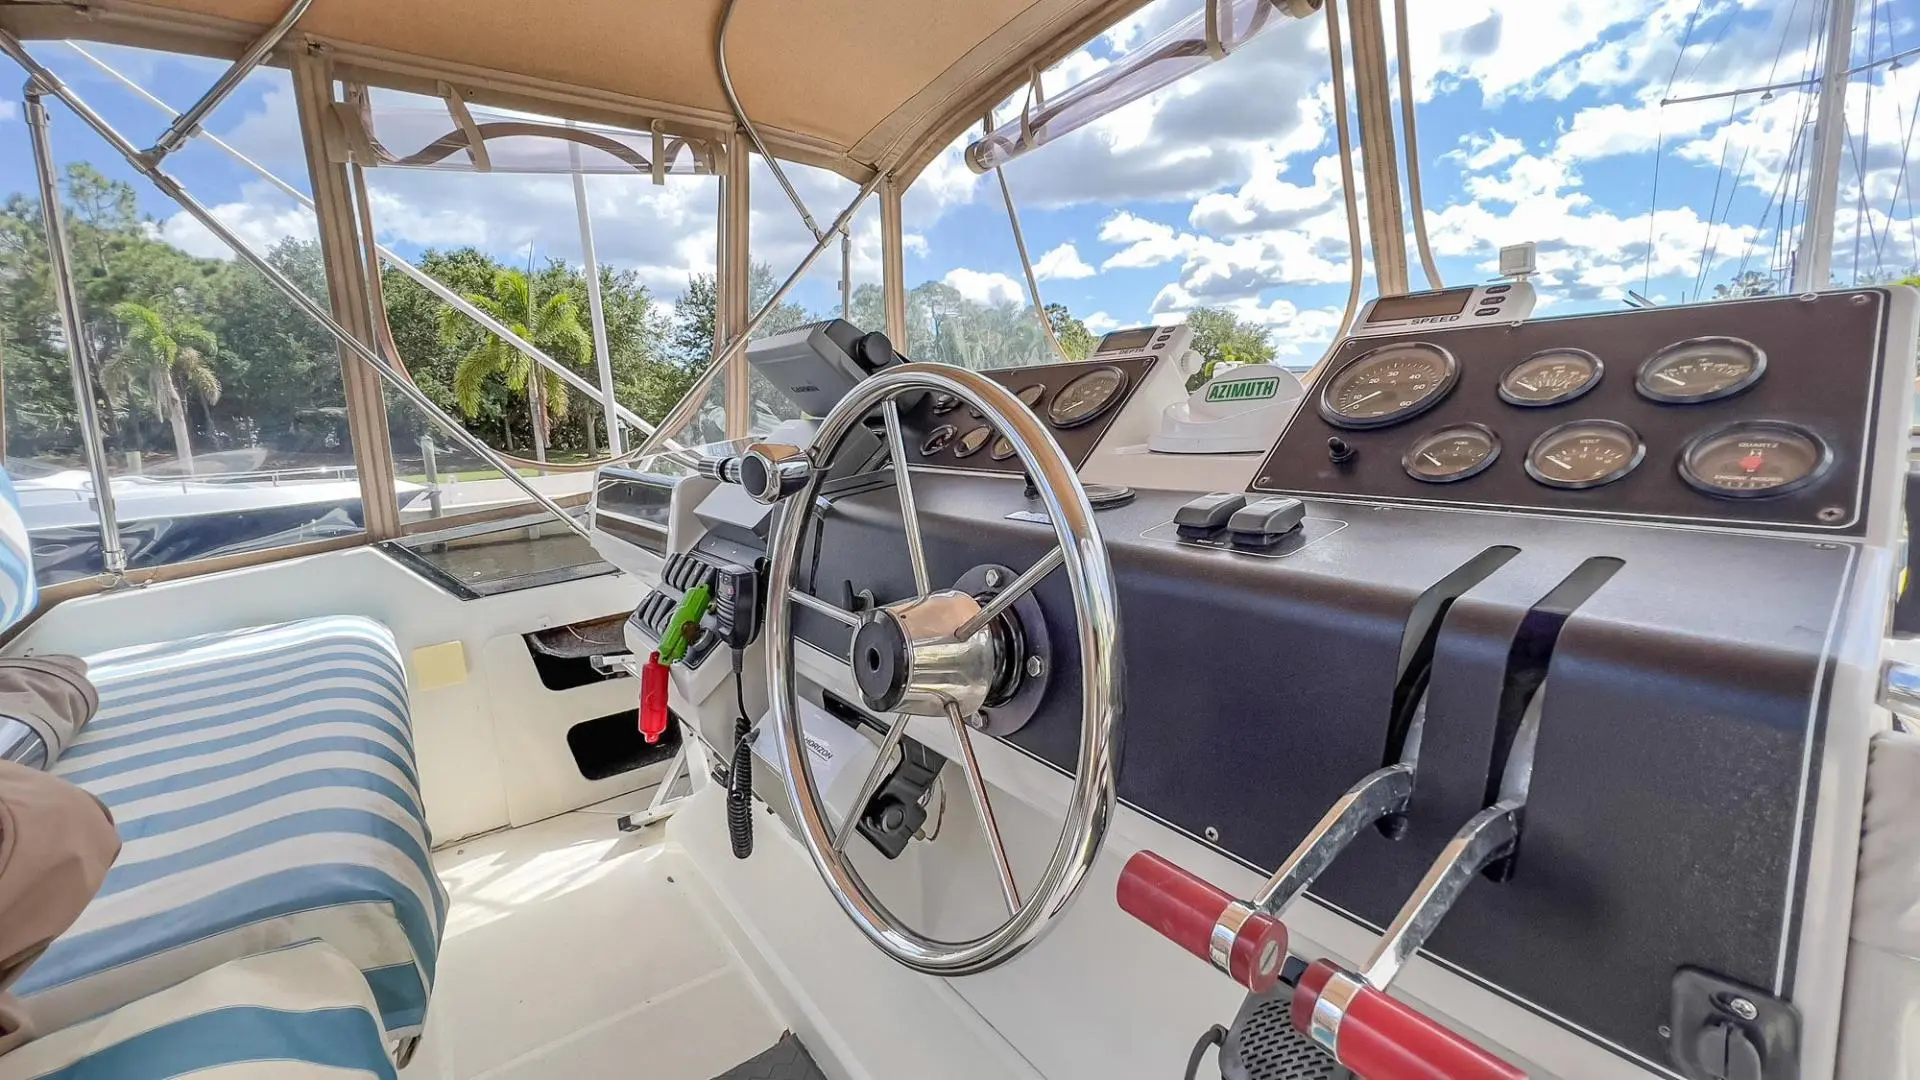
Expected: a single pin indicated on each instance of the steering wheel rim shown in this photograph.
(1082, 552)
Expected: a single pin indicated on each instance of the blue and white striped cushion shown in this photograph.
(265, 789)
(291, 1014)
(18, 593)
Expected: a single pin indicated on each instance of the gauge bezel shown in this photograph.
(1113, 398)
(945, 403)
(960, 448)
(1038, 399)
(1493, 455)
(1332, 414)
(946, 433)
(1707, 487)
(1667, 352)
(993, 449)
(1539, 477)
(1599, 370)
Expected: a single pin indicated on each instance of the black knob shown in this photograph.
(1338, 451)
(772, 471)
(873, 351)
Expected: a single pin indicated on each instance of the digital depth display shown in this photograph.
(1419, 306)
(1126, 340)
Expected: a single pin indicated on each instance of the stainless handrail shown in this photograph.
(188, 122)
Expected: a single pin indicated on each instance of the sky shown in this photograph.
(1538, 120)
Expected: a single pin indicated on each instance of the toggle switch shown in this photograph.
(1265, 523)
(1208, 514)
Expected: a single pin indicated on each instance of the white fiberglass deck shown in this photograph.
(573, 950)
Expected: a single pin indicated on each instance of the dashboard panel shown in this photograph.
(1753, 413)
(1077, 401)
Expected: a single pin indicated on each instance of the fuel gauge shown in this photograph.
(1451, 454)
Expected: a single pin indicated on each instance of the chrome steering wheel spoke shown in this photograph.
(937, 654)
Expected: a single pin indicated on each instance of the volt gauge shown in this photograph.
(1754, 460)
(1585, 454)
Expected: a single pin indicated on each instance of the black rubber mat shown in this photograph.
(786, 1060)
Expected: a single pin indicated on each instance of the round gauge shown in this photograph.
(1701, 369)
(1002, 449)
(1087, 397)
(1552, 377)
(1451, 453)
(945, 403)
(1584, 454)
(1754, 459)
(937, 440)
(972, 441)
(1388, 385)
(1030, 395)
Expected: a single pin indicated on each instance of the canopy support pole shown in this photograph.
(113, 558)
(50, 84)
(188, 122)
(603, 358)
(1379, 156)
(734, 285)
(893, 267)
(697, 393)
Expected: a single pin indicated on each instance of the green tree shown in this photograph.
(551, 325)
(1076, 341)
(168, 352)
(1221, 337)
(1748, 283)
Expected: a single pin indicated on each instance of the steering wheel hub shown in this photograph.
(907, 659)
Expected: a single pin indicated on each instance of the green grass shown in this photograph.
(465, 475)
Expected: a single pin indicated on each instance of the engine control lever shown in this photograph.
(1381, 1038)
(1225, 931)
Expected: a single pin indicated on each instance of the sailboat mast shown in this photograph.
(1813, 265)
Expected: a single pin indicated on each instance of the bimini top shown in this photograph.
(848, 84)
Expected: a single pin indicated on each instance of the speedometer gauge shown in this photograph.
(1553, 377)
(1754, 459)
(1701, 369)
(1585, 454)
(1087, 397)
(1451, 453)
(1387, 385)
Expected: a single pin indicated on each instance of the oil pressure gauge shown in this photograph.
(1754, 460)
(1585, 454)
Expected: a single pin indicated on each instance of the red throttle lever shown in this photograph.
(1380, 1038)
(1204, 920)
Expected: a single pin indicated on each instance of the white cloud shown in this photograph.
(983, 287)
(262, 219)
(1477, 151)
(1062, 263)
(1148, 243)
(1100, 322)
(8, 110)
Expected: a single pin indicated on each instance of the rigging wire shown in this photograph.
(1653, 201)
(1794, 210)
(1336, 56)
(1793, 146)
(1903, 179)
(1404, 57)
(1713, 204)
(1863, 153)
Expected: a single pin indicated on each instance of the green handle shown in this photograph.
(673, 644)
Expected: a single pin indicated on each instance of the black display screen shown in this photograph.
(1419, 305)
(1126, 340)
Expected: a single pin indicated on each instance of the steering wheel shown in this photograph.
(936, 654)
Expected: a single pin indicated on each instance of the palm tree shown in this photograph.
(552, 326)
(171, 354)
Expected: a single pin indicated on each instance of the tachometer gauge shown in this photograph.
(1451, 453)
(1030, 395)
(1701, 369)
(1002, 449)
(1553, 377)
(1585, 454)
(937, 440)
(972, 441)
(1087, 397)
(1388, 385)
(1754, 459)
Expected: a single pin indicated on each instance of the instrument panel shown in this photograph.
(1751, 413)
(1077, 402)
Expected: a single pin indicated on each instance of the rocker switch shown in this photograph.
(1267, 522)
(1207, 514)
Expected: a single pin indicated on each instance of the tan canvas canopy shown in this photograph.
(848, 84)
